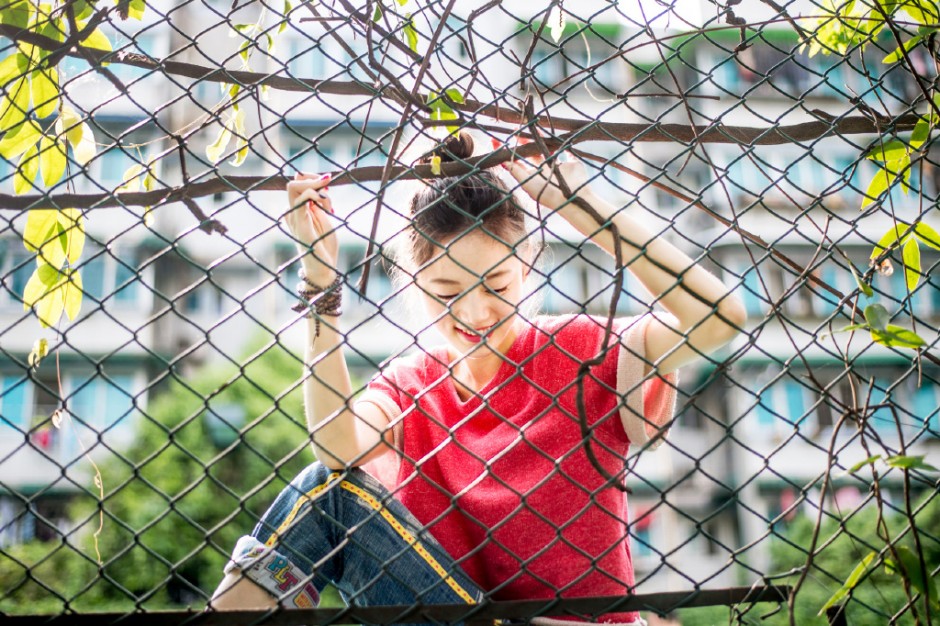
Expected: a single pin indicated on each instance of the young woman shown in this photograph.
(491, 490)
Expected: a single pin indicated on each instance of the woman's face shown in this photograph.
(472, 288)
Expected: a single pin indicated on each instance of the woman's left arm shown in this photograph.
(708, 315)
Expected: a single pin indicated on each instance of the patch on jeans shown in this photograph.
(274, 572)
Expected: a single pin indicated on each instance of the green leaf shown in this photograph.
(454, 94)
(862, 464)
(377, 14)
(52, 159)
(849, 583)
(288, 7)
(921, 132)
(924, 11)
(898, 232)
(72, 223)
(888, 151)
(898, 337)
(927, 234)
(411, 35)
(911, 259)
(865, 287)
(72, 294)
(137, 9)
(44, 88)
(910, 462)
(83, 9)
(436, 165)
(878, 185)
(877, 316)
(898, 54)
(17, 13)
(852, 327)
(914, 570)
(17, 141)
(24, 178)
(15, 106)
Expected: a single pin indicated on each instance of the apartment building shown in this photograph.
(166, 299)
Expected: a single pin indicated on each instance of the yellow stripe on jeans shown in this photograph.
(408, 537)
(310, 495)
(386, 515)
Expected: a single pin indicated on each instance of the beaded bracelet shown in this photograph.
(319, 301)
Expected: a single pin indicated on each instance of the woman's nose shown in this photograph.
(471, 309)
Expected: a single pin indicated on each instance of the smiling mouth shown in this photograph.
(476, 335)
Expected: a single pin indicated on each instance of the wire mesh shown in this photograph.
(153, 373)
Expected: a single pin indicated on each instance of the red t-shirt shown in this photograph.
(503, 480)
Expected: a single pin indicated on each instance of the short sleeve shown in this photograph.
(649, 403)
(384, 392)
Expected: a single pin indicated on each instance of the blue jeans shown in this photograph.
(345, 528)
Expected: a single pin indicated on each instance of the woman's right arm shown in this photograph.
(342, 435)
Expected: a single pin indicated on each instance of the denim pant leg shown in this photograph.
(346, 528)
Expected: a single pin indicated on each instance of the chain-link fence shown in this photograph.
(153, 374)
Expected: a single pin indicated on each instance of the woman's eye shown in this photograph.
(500, 290)
(445, 297)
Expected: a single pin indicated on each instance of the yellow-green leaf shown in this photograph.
(241, 146)
(18, 140)
(849, 583)
(86, 149)
(896, 233)
(72, 224)
(877, 186)
(26, 170)
(411, 35)
(897, 337)
(131, 178)
(39, 352)
(70, 125)
(888, 151)
(928, 235)
(436, 165)
(97, 40)
(51, 159)
(13, 67)
(44, 87)
(217, 148)
(148, 216)
(40, 227)
(911, 257)
(15, 104)
(72, 294)
(44, 295)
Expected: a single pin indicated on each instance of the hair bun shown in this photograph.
(455, 148)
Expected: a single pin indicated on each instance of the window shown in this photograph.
(110, 277)
(306, 58)
(783, 406)
(13, 402)
(926, 407)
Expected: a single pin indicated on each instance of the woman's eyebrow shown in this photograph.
(448, 281)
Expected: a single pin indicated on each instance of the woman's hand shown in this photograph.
(542, 181)
(310, 226)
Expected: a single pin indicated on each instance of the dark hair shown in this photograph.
(450, 206)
